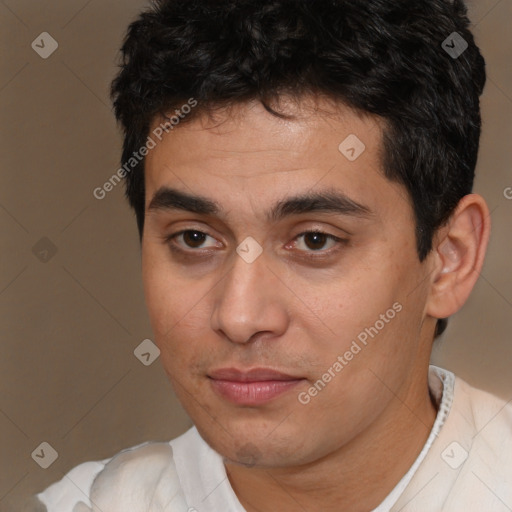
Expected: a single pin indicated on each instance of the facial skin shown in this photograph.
(293, 313)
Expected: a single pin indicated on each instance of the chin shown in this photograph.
(262, 445)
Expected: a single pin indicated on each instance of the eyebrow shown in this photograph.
(328, 201)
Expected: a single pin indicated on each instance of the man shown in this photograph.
(301, 174)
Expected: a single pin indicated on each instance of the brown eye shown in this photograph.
(188, 240)
(194, 239)
(315, 241)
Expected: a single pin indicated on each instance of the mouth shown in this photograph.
(251, 387)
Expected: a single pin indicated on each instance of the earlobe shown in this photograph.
(459, 254)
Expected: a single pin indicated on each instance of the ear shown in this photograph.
(458, 256)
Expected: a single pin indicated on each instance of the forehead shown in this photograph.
(245, 155)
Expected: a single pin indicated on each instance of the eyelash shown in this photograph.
(320, 253)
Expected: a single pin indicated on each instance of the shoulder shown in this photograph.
(72, 488)
(483, 459)
(138, 478)
(468, 407)
(488, 413)
(469, 464)
(491, 439)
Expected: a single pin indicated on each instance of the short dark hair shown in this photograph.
(380, 57)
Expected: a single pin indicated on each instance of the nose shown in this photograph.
(249, 300)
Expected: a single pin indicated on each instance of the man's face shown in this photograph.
(303, 304)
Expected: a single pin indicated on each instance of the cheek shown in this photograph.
(368, 319)
(353, 305)
(168, 294)
(162, 300)
(178, 311)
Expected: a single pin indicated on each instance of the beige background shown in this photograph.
(69, 325)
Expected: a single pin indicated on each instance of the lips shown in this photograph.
(253, 375)
(251, 387)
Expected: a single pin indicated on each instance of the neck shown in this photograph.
(357, 477)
